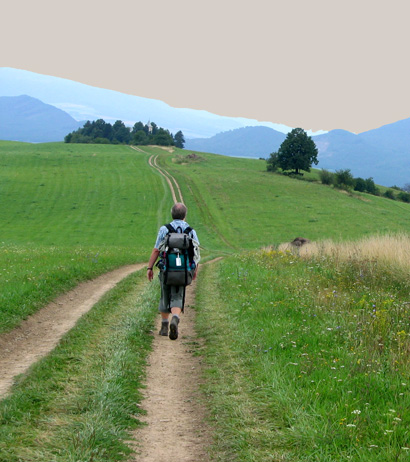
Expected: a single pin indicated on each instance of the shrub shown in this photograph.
(359, 184)
(344, 179)
(389, 193)
(326, 177)
(404, 196)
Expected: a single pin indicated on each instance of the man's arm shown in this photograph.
(151, 263)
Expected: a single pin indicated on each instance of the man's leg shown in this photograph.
(163, 303)
(173, 326)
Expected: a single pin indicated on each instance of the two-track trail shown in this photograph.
(175, 421)
(172, 182)
(41, 332)
(175, 414)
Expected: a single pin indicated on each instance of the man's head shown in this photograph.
(179, 211)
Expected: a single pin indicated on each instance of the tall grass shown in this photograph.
(316, 356)
(390, 250)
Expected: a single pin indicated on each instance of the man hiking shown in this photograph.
(173, 292)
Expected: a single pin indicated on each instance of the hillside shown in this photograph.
(242, 142)
(314, 333)
(65, 192)
(382, 153)
(23, 118)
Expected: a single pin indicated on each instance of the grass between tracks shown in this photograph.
(80, 402)
(307, 358)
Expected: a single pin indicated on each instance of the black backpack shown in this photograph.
(177, 257)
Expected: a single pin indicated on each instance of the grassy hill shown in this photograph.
(74, 211)
(251, 207)
(307, 357)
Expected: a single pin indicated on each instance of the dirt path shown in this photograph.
(175, 430)
(40, 333)
(172, 182)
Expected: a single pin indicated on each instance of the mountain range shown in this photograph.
(56, 107)
(382, 153)
(84, 102)
(23, 118)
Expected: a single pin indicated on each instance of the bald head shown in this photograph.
(179, 211)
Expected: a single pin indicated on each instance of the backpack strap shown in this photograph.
(170, 228)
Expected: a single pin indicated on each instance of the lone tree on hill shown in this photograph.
(297, 152)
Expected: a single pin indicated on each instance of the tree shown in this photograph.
(371, 187)
(272, 164)
(359, 184)
(179, 140)
(140, 137)
(120, 133)
(163, 138)
(297, 152)
(406, 187)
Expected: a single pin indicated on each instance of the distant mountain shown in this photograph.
(23, 118)
(383, 153)
(242, 142)
(84, 102)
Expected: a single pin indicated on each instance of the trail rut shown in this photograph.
(175, 422)
(40, 333)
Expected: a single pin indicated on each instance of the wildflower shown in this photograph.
(357, 411)
(350, 425)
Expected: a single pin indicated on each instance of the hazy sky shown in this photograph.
(318, 64)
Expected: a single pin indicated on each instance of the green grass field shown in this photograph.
(251, 207)
(69, 213)
(300, 337)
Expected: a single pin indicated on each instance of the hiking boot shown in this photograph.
(164, 329)
(173, 328)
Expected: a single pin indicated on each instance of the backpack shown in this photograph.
(179, 256)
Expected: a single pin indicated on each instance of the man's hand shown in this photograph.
(195, 273)
(150, 275)
(151, 263)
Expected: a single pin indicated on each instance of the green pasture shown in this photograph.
(90, 195)
(306, 360)
(69, 213)
(300, 342)
(240, 205)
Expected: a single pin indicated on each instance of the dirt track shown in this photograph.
(175, 417)
(175, 429)
(40, 333)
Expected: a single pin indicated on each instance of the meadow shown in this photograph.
(242, 206)
(315, 346)
(308, 357)
(69, 213)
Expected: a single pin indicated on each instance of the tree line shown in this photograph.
(99, 131)
(298, 152)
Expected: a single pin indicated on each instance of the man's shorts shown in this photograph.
(171, 296)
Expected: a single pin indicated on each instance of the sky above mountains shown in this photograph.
(319, 65)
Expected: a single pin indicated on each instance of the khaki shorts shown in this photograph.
(171, 296)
